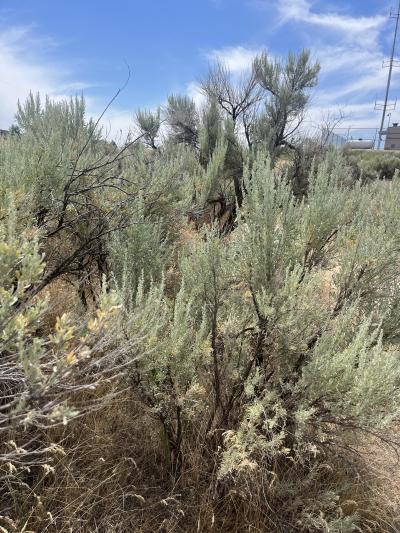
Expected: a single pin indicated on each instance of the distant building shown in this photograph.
(3, 133)
(392, 141)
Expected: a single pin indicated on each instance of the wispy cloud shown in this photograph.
(194, 92)
(19, 75)
(236, 58)
(351, 80)
(25, 68)
(350, 27)
(350, 50)
(351, 70)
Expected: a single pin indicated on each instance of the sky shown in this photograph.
(67, 47)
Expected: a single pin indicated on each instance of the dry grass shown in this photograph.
(109, 476)
(115, 476)
(62, 296)
(379, 495)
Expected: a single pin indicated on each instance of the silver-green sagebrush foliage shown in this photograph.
(277, 347)
(255, 360)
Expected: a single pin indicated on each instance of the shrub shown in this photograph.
(274, 357)
(380, 166)
(217, 382)
(46, 380)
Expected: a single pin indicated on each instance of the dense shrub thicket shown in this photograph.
(194, 336)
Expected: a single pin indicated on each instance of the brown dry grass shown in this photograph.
(62, 297)
(379, 493)
(111, 475)
(115, 476)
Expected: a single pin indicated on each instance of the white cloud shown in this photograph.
(23, 69)
(346, 57)
(236, 58)
(116, 123)
(20, 74)
(351, 80)
(351, 71)
(351, 76)
(194, 92)
(352, 29)
(354, 115)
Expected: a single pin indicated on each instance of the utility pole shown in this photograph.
(389, 80)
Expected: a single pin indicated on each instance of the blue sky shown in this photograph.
(63, 47)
